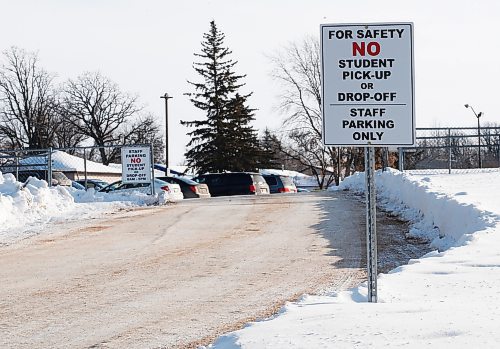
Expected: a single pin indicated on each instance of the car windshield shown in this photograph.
(238, 178)
(113, 186)
(259, 179)
(187, 180)
(93, 183)
(200, 179)
(271, 180)
(77, 185)
(160, 182)
(286, 180)
(134, 185)
(178, 180)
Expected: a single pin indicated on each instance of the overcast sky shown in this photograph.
(147, 47)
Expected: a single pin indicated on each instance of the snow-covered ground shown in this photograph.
(446, 299)
(27, 209)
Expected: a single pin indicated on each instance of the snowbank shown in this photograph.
(437, 215)
(27, 208)
(444, 299)
(31, 203)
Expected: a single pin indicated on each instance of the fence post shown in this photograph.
(449, 151)
(85, 166)
(385, 158)
(17, 166)
(401, 159)
(498, 150)
(49, 167)
(339, 168)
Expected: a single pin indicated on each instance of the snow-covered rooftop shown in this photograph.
(62, 161)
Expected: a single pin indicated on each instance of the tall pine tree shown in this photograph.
(271, 154)
(225, 140)
(244, 153)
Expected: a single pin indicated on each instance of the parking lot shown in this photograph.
(177, 276)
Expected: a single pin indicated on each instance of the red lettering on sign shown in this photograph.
(135, 160)
(373, 48)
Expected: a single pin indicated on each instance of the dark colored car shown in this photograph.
(280, 184)
(190, 188)
(97, 184)
(235, 183)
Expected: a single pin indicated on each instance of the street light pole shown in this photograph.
(478, 133)
(166, 97)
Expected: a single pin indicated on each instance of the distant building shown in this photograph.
(73, 167)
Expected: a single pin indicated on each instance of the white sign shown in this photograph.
(136, 165)
(367, 84)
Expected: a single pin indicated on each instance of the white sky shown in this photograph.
(147, 48)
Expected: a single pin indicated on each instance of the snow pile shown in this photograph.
(134, 198)
(438, 216)
(444, 299)
(27, 208)
(32, 202)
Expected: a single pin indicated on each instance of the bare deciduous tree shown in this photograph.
(27, 103)
(66, 136)
(297, 67)
(97, 108)
(144, 130)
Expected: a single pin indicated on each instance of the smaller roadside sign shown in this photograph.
(136, 165)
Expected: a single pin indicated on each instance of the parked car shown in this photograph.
(58, 178)
(97, 184)
(280, 184)
(235, 183)
(190, 188)
(174, 190)
(77, 185)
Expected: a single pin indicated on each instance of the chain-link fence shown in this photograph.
(64, 165)
(437, 149)
(24, 163)
(453, 148)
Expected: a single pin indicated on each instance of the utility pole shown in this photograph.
(166, 97)
(478, 133)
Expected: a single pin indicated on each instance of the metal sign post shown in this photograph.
(49, 167)
(151, 155)
(371, 226)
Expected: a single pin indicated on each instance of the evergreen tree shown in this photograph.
(271, 156)
(244, 153)
(225, 140)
